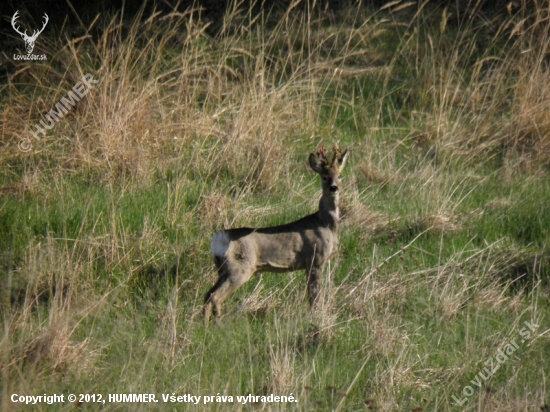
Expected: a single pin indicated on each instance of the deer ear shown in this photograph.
(317, 162)
(342, 159)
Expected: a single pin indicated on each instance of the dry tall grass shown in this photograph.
(170, 94)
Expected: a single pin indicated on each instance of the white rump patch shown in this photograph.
(220, 244)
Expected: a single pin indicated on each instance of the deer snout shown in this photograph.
(333, 188)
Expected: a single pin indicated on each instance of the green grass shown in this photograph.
(105, 225)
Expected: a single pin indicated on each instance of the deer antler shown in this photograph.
(24, 35)
(15, 17)
(337, 154)
(36, 33)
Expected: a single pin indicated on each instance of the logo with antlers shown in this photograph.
(29, 40)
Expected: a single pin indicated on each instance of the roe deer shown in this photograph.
(307, 243)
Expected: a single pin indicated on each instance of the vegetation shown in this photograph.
(106, 220)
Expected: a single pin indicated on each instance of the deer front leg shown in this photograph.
(314, 284)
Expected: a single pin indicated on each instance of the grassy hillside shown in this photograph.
(106, 219)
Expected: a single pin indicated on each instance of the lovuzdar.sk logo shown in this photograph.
(29, 40)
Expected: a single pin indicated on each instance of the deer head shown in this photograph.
(29, 40)
(329, 170)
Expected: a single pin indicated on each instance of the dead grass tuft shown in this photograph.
(54, 280)
(372, 175)
(258, 304)
(214, 211)
(439, 222)
(54, 348)
(356, 215)
(282, 360)
(325, 324)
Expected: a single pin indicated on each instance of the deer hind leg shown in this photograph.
(231, 276)
(210, 301)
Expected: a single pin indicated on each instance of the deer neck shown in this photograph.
(329, 211)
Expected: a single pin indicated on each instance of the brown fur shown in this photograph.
(307, 243)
